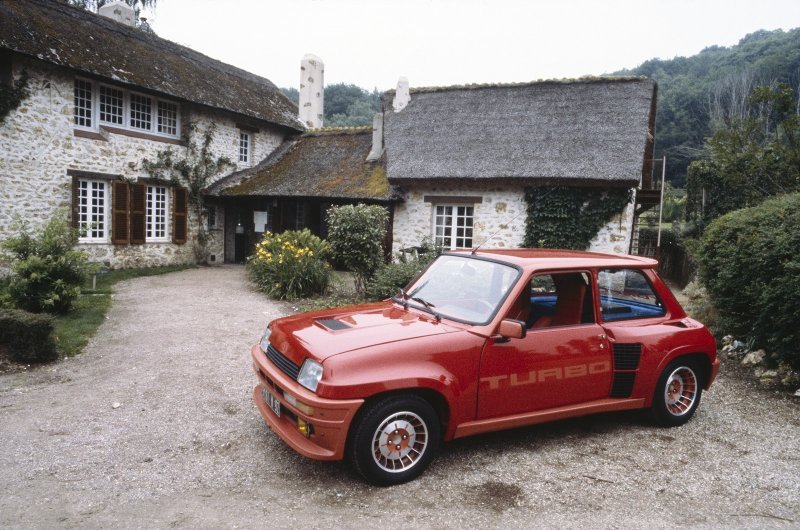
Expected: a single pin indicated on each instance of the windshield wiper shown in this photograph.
(403, 298)
(429, 306)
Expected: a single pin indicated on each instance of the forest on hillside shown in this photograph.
(695, 94)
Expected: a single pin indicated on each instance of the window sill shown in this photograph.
(92, 135)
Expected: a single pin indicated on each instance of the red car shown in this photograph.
(479, 342)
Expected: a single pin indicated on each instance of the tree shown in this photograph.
(750, 158)
(346, 105)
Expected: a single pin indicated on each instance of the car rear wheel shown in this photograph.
(393, 440)
(677, 393)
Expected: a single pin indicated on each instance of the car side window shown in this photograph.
(627, 294)
(553, 300)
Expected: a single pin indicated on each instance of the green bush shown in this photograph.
(750, 265)
(28, 337)
(46, 271)
(390, 278)
(290, 265)
(356, 235)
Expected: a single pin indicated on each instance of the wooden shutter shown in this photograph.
(179, 215)
(76, 202)
(120, 234)
(138, 213)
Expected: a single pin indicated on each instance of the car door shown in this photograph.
(563, 359)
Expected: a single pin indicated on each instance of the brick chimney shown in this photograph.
(119, 11)
(312, 91)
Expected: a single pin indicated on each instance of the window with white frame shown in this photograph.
(93, 210)
(167, 118)
(156, 218)
(452, 226)
(83, 104)
(107, 105)
(141, 114)
(244, 146)
(112, 106)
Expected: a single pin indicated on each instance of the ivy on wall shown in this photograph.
(12, 94)
(569, 217)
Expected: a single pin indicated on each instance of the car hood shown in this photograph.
(322, 334)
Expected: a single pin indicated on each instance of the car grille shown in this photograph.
(282, 362)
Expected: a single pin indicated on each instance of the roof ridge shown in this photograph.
(331, 131)
(562, 81)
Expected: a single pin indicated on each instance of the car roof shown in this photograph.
(541, 258)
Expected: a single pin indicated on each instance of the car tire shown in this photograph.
(393, 440)
(677, 393)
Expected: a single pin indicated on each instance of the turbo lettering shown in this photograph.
(547, 374)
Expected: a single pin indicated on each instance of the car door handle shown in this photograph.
(602, 338)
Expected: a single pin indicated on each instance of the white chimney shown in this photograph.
(119, 11)
(377, 138)
(402, 96)
(312, 90)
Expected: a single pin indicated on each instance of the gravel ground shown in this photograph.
(186, 447)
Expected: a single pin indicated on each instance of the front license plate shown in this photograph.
(273, 402)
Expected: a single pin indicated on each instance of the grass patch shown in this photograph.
(74, 329)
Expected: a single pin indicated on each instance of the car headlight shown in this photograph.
(265, 339)
(310, 374)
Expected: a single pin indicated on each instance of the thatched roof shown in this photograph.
(57, 33)
(582, 131)
(322, 163)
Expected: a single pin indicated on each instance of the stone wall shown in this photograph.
(39, 145)
(499, 219)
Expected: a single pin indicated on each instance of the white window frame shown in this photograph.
(92, 103)
(245, 146)
(453, 216)
(87, 218)
(155, 102)
(152, 211)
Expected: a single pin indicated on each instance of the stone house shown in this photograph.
(296, 184)
(104, 96)
(461, 157)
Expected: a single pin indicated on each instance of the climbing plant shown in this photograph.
(569, 217)
(12, 94)
(194, 171)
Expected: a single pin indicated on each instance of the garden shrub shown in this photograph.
(388, 280)
(356, 236)
(750, 265)
(290, 265)
(27, 337)
(46, 271)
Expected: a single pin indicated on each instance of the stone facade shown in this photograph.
(499, 217)
(39, 144)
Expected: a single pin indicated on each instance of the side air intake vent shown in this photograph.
(626, 356)
(623, 384)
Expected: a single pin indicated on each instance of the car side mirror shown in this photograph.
(512, 329)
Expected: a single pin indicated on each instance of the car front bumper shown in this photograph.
(330, 419)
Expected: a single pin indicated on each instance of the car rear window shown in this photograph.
(627, 294)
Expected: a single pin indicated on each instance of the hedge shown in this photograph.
(27, 337)
(749, 263)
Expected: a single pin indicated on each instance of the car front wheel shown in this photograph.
(394, 440)
(677, 394)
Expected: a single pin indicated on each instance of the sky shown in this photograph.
(371, 43)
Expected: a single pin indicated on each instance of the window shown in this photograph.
(111, 105)
(141, 112)
(244, 146)
(156, 223)
(558, 299)
(83, 103)
(452, 226)
(168, 118)
(627, 294)
(92, 210)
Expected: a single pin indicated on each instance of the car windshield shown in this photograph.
(462, 288)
